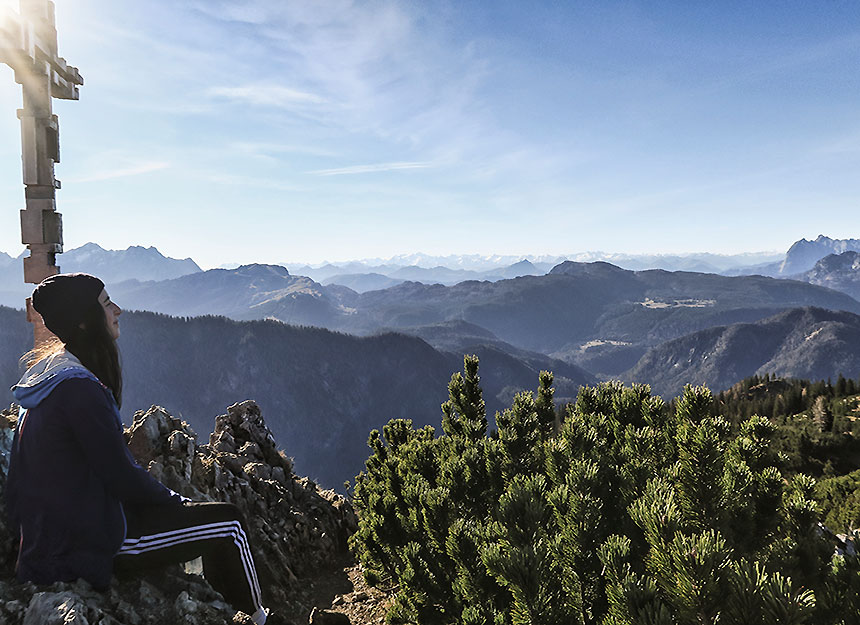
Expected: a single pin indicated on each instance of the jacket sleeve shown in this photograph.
(95, 425)
(11, 489)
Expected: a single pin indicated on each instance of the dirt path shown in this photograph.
(344, 590)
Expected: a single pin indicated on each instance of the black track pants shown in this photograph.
(159, 535)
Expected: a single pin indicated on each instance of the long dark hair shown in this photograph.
(96, 349)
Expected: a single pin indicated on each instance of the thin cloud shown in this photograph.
(269, 149)
(245, 181)
(231, 12)
(266, 95)
(369, 169)
(134, 170)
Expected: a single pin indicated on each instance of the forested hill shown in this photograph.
(810, 343)
(322, 391)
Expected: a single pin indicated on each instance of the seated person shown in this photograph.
(82, 505)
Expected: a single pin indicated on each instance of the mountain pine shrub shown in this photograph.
(618, 512)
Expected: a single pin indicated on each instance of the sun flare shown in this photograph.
(8, 12)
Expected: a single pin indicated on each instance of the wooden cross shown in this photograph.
(28, 44)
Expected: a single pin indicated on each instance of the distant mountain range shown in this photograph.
(364, 275)
(362, 282)
(323, 389)
(362, 279)
(146, 264)
(839, 271)
(466, 262)
(112, 266)
(800, 257)
(699, 262)
(573, 317)
(369, 274)
(713, 263)
(247, 292)
(136, 262)
(573, 304)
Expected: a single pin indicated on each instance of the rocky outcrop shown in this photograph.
(840, 272)
(169, 596)
(296, 528)
(803, 254)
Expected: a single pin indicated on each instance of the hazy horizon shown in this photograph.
(581, 256)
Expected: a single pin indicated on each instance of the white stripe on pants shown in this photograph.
(163, 534)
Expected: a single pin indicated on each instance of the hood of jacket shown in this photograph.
(44, 376)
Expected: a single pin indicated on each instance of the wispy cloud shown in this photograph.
(267, 95)
(372, 69)
(123, 172)
(271, 150)
(369, 169)
(240, 180)
(246, 13)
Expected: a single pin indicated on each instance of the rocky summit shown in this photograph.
(297, 529)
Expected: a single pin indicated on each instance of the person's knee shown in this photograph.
(218, 511)
(235, 514)
(228, 512)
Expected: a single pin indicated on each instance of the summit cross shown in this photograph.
(28, 44)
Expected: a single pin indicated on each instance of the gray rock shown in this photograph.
(328, 617)
(56, 608)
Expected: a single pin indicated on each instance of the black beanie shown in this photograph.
(63, 301)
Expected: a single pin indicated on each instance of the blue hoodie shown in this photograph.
(70, 474)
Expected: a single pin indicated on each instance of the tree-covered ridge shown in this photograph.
(818, 422)
(615, 511)
(776, 397)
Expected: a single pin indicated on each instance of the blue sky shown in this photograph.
(275, 131)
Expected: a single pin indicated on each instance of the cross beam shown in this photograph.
(28, 44)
